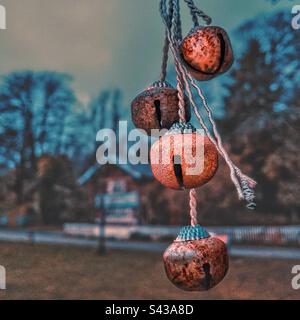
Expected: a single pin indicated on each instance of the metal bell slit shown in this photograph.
(157, 107)
(207, 52)
(173, 154)
(195, 261)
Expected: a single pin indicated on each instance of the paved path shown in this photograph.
(60, 238)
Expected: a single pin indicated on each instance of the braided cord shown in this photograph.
(164, 66)
(243, 183)
(193, 207)
(196, 12)
(176, 24)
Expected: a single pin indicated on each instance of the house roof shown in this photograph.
(135, 171)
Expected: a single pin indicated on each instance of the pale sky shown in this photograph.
(102, 43)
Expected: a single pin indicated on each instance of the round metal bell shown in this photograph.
(157, 107)
(195, 261)
(207, 52)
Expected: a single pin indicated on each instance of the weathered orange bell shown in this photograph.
(207, 52)
(195, 261)
(183, 158)
(157, 107)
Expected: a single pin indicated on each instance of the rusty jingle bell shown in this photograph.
(195, 261)
(207, 52)
(157, 107)
(174, 158)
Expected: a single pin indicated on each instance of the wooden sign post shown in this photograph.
(106, 202)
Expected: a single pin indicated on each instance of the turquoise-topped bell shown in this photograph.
(192, 233)
(195, 261)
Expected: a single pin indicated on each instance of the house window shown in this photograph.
(116, 186)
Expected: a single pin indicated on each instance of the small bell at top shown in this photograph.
(207, 52)
(195, 261)
(157, 107)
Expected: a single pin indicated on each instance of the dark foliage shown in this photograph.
(261, 122)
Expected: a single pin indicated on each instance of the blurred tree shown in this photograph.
(33, 107)
(57, 99)
(116, 107)
(16, 108)
(90, 119)
(115, 117)
(281, 44)
(60, 198)
(98, 108)
(252, 91)
(260, 112)
(282, 166)
(103, 112)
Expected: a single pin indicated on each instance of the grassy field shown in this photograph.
(52, 272)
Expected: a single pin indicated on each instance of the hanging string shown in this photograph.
(246, 184)
(176, 24)
(164, 66)
(193, 207)
(243, 183)
(196, 12)
(177, 21)
(237, 177)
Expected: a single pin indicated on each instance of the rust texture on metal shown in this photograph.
(188, 148)
(207, 52)
(196, 265)
(157, 108)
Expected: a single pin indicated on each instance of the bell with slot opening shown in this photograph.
(207, 52)
(157, 107)
(195, 261)
(183, 158)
